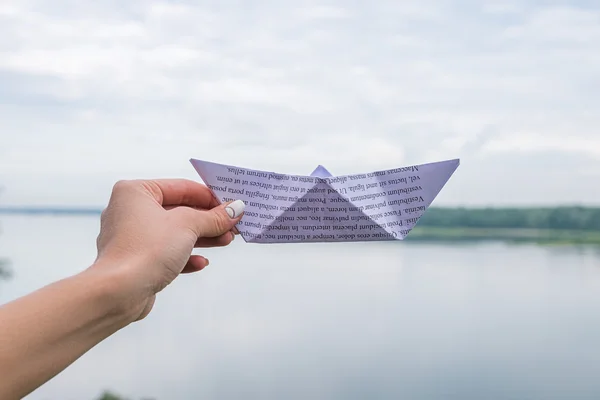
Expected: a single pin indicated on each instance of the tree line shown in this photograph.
(560, 218)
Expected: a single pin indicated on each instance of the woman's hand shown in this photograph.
(148, 232)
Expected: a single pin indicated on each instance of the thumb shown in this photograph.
(217, 221)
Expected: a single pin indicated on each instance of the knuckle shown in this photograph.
(121, 185)
(221, 221)
(151, 186)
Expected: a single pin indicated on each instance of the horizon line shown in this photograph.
(51, 210)
(89, 210)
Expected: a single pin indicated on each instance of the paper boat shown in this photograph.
(321, 207)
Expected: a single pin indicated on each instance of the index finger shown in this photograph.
(181, 192)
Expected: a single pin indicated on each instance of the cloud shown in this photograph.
(94, 92)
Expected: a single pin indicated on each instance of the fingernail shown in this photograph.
(207, 262)
(235, 209)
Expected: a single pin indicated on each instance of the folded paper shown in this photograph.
(280, 208)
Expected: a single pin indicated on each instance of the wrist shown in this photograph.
(113, 292)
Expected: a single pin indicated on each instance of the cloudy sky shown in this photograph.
(96, 91)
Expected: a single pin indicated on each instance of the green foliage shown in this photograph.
(5, 272)
(110, 396)
(554, 218)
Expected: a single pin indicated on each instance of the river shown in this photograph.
(336, 321)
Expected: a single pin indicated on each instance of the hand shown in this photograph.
(147, 234)
(149, 230)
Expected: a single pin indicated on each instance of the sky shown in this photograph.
(96, 91)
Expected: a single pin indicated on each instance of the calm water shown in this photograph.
(337, 321)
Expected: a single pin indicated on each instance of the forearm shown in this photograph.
(43, 333)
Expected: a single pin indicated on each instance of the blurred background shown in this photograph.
(495, 294)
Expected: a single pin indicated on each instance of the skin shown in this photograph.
(148, 232)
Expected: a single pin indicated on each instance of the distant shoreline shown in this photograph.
(512, 235)
(48, 211)
(542, 225)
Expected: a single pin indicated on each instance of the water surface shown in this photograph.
(337, 321)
